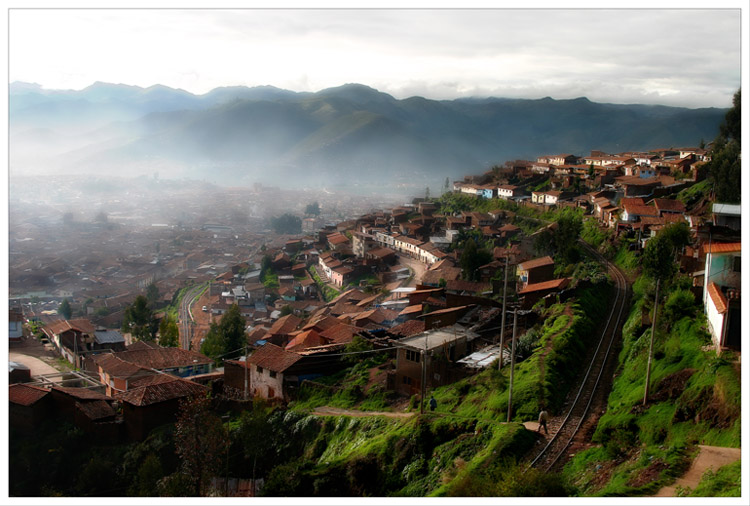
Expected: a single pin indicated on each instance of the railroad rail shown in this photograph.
(568, 428)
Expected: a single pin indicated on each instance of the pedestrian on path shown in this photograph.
(543, 419)
(433, 403)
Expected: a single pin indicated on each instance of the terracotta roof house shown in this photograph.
(149, 406)
(536, 270)
(533, 292)
(29, 406)
(669, 206)
(282, 328)
(264, 372)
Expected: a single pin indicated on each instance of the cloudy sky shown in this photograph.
(685, 57)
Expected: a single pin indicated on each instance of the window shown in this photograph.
(737, 264)
(406, 380)
(412, 355)
(259, 369)
(272, 374)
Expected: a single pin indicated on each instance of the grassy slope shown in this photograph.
(378, 456)
(464, 448)
(694, 399)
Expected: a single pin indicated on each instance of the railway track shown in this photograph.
(565, 429)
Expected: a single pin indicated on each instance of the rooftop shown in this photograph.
(434, 339)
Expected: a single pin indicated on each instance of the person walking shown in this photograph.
(543, 419)
(433, 403)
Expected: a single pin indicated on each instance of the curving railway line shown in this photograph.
(565, 428)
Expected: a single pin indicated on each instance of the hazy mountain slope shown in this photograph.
(347, 133)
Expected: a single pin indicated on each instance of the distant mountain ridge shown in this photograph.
(351, 133)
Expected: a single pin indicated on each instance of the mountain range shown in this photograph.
(352, 134)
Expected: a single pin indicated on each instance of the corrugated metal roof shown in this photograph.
(108, 336)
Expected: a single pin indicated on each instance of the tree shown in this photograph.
(286, 224)
(473, 257)
(139, 320)
(658, 255)
(64, 309)
(169, 333)
(569, 226)
(447, 186)
(313, 209)
(201, 442)
(725, 169)
(152, 295)
(226, 339)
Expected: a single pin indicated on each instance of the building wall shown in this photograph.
(722, 270)
(264, 385)
(715, 321)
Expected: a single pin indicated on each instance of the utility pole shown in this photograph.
(424, 376)
(512, 363)
(651, 345)
(244, 397)
(502, 321)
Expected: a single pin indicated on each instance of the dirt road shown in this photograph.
(709, 457)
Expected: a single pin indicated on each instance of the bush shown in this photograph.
(679, 304)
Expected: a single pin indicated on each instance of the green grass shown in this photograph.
(328, 293)
(563, 340)
(694, 398)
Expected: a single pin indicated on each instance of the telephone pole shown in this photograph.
(512, 363)
(244, 397)
(502, 321)
(651, 345)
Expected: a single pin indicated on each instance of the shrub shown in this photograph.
(679, 304)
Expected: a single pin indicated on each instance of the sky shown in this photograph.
(682, 57)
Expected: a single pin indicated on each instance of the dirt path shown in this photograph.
(329, 411)
(709, 457)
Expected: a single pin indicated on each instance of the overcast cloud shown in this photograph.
(674, 57)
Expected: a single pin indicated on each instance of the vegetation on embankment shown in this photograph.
(428, 455)
(555, 361)
(694, 399)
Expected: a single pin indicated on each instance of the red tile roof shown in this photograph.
(82, 393)
(447, 310)
(717, 297)
(272, 357)
(163, 358)
(461, 285)
(408, 329)
(285, 325)
(342, 333)
(322, 323)
(304, 340)
(555, 284)
(166, 390)
(722, 247)
(536, 262)
(25, 395)
(409, 310)
(640, 210)
(118, 368)
(96, 410)
(669, 205)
